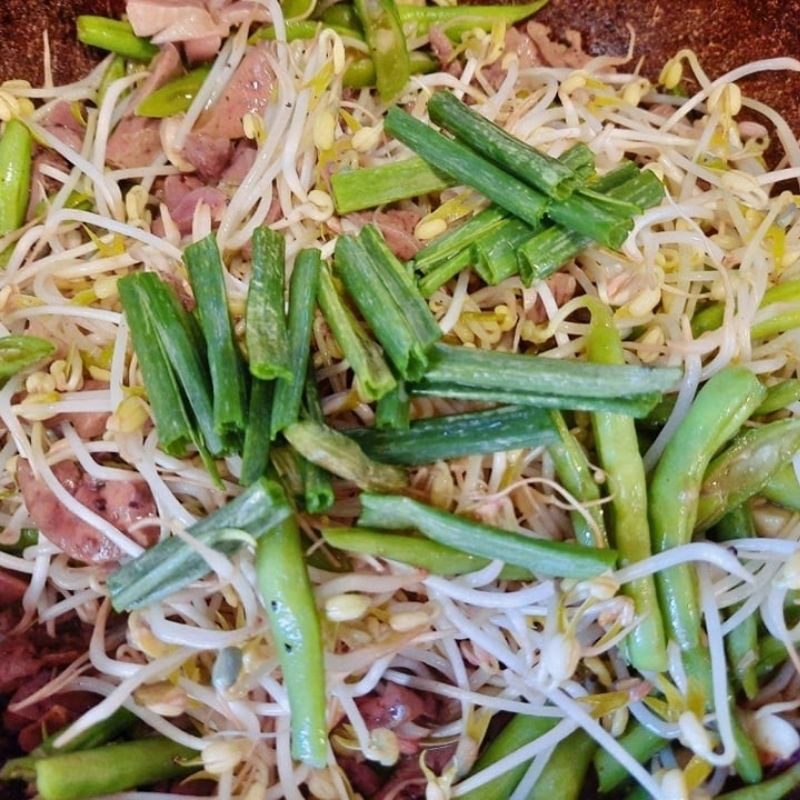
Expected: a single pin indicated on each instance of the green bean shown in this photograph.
(640, 742)
(577, 477)
(772, 653)
(742, 642)
(777, 788)
(341, 14)
(783, 489)
(438, 559)
(542, 557)
(618, 450)
(116, 69)
(779, 396)
(387, 45)
(522, 729)
(19, 352)
(340, 455)
(115, 36)
(361, 72)
(719, 410)
(745, 467)
(16, 147)
(111, 768)
(564, 774)
(747, 763)
(175, 96)
(286, 591)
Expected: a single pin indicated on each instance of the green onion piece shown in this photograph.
(580, 159)
(577, 476)
(465, 166)
(289, 599)
(363, 355)
(265, 333)
(112, 768)
(783, 488)
(542, 557)
(257, 434)
(317, 487)
(537, 169)
(457, 20)
(521, 729)
(16, 147)
(115, 36)
(497, 255)
(401, 286)
(183, 347)
(332, 450)
(636, 405)
(456, 240)
(19, 352)
(779, 396)
(744, 468)
(641, 743)
(387, 45)
(172, 564)
(444, 271)
(174, 428)
(303, 289)
(206, 275)
(361, 72)
(393, 410)
(175, 96)
(429, 440)
(583, 215)
(356, 189)
(513, 372)
(361, 277)
(438, 559)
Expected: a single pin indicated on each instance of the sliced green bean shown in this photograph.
(640, 742)
(542, 557)
(114, 35)
(564, 774)
(745, 467)
(779, 396)
(777, 788)
(387, 45)
(783, 489)
(16, 148)
(175, 96)
(577, 477)
(618, 449)
(361, 72)
(287, 594)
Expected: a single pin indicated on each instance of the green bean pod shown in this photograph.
(777, 788)
(285, 588)
(564, 774)
(640, 742)
(175, 96)
(16, 147)
(114, 35)
(744, 468)
(783, 488)
(387, 45)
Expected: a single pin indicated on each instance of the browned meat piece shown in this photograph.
(208, 155)
(397, 226)
(392, 705)
(12, 588)
(122, 503)
(87, 424)
(182, 195)
(249, 89)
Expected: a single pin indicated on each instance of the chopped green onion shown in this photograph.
(387, 45)
(438, 559)
(19, 352)
(340, 455)
(173, 564)
(356, 189)
(174, 428)
(114, 35)
(497, 255)
(537, 169)
(16, 148)
(541, 557)
(317, 487)
(183, 347)
(257, 434)
(465, 166)
(303, 289)
(175, 96)
(363, 355)
(393, 409)
(206, 275)
(444, 271)
(265, 319)
(439, 438)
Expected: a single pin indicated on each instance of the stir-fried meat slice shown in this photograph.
(392, 705)
(87, 424)
(11, 588)
(123, 503)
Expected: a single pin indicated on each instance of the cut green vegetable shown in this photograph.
(114, 35)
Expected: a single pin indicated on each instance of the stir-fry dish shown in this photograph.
(396, 402)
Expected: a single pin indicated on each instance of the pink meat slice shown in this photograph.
(397, 226)
(182, 195)
(249, 89)
(173, 20)
(209, 155)
(123, 503)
